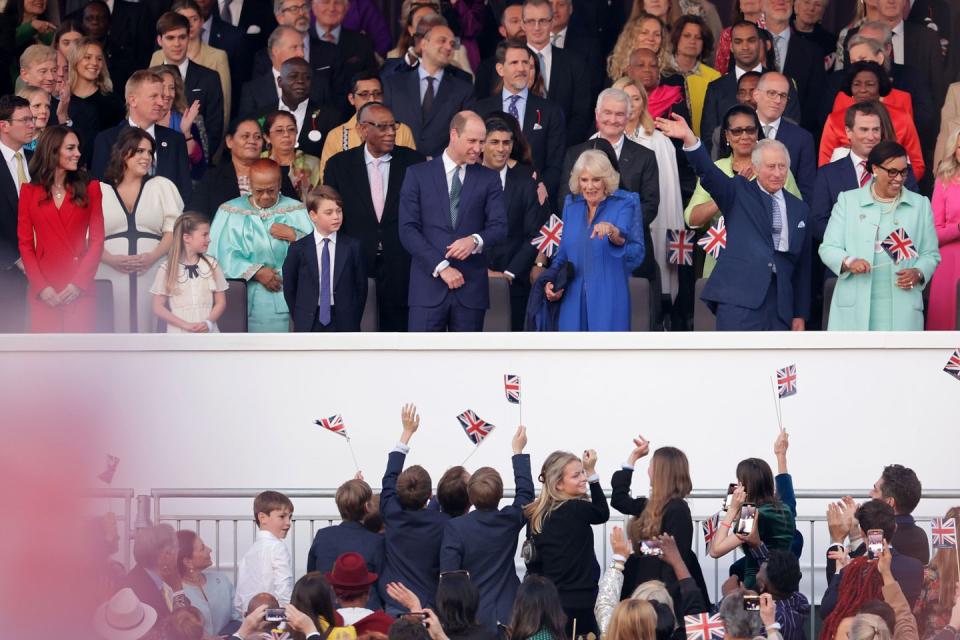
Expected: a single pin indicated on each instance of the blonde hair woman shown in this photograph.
(560, 526)
(642, 32)
(93, 105)
(942, 312)
(867, 626)
(633, 620)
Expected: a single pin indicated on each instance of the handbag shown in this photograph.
(528, 551)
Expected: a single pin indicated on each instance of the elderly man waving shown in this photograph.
(762, 280)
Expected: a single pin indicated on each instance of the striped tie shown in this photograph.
(777, 223)
(864, 174)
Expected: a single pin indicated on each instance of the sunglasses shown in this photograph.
(739, 131)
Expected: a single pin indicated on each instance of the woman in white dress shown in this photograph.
(139, 212)
(640, 129)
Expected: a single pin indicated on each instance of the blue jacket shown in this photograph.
(331, 542)
(803, 156)
(485, 544)
(743, 276)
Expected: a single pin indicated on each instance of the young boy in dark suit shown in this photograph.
(324, 282)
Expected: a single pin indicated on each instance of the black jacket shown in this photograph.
(525, 215)
(9, 243)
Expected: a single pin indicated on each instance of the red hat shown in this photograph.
(350, 572)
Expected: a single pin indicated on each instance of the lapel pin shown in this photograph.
(163, 144)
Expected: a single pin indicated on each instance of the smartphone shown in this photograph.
(275, 615)
(751, 603)
(415, 616)
(651, 548)
(748, 515)
(729, 499)
(874, 544)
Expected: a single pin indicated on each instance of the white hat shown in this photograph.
(124, 617)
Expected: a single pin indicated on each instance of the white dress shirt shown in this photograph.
(205, 30)
(739, 72)
(266, 567)
(318, 238)
(546, 63)
(422, 75)
(11, 162)
(503, 176)
(617, 146)
(784, 242)
(299, 114)
(559, 39)
(774, 127)
(898, 43)
(521, 103)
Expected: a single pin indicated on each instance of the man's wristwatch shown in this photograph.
(542, 265)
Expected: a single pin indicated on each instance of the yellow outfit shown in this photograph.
(347, 137)
(697, 92)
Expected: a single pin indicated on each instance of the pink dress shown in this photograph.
(942, 315)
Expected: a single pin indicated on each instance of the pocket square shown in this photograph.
(802, 225)
(537, 126)
(253, 29)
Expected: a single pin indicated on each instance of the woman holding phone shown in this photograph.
(755, 515)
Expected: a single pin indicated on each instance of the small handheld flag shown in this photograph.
(680, 246)
(953, 365)
(334, 424)
(787, 381)
(107, 474)
(899, 246)
(704, 626)
(474, 426)
(716, 239)
(548, 240)
(710, 528)
(943, 533)
(511, 386)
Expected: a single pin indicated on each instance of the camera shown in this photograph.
(748, 516)
(751, 603)
(275, 615)
(874, 544)
(651, 548)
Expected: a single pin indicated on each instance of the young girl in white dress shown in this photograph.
(188, 291)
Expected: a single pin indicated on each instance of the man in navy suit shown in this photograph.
(16, 129)
(426, 98)
(762, 281)
(450, 209)
(541, 120)
(325, 283)
(771, 95)
(484, 541)
(144, 108)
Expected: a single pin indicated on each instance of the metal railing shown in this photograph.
(715, 570)
(125, 517)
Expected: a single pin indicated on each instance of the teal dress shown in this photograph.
(240, 240)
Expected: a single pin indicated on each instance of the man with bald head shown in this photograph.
(450, 209)
(771, 95)
(250, 236)
(762, 283)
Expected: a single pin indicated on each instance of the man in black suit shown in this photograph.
(155, 551)
(199, 82)
(580, 42)
(220, 184)
(638, 173)
(314, 120)
(144, 108)
(16, 130)
(541, 120)
(348, 52)
(746, 47)
(511, 28)
(427, 98)
(254, 19)
(226, 37)
(563, 72)
(916, 46)
(368, 178)
(513, 257)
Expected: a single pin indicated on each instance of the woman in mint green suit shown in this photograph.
(874, 292)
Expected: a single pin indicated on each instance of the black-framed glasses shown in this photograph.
(383, 127)
(297, 8)
(893, 173)
(736, 132)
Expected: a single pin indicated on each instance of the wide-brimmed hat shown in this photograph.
(350, 572)
(124, 617)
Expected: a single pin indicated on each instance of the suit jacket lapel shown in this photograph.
(440, 182)
(469, 177)
(393, 189)
(339, 259)
(363, 183)
(529, 115)
(9, 185)
(312, 264)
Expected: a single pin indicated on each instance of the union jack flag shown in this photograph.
(704, 626)
(511, 386)
(710, 528)
(107, 475)
(787, 381)
(680, 246)
(899, 246)
(716, 239)
(548, 240)
(474, 426)
(943, 533)
(953, 365)
(334, 424)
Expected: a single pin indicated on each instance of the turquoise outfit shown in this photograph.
(240, 240)
(873, 301)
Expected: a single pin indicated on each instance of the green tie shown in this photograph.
(455, 187)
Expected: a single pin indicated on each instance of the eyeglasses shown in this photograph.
(739, 131)
(365, 95)
(26, 120)
(893, 173)
(541, 22)
(280, 131)
(297, 8)
(776, 95)
(383, 127)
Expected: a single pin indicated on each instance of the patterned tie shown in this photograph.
(864, 174)
(776, 52)
(323, 311)
(512, 109)
(777, 223)
(376, 186)
(455, 188)
(543, 71)
(328, 36)
(21, 171)
(427, 105)
(225, 14)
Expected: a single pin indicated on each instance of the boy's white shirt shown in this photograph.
(266, 567)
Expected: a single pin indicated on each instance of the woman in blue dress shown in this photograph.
(598, 219)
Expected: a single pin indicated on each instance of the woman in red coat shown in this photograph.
(60, 229)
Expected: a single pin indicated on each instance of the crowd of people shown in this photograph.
(314, 153)
(414, 562)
